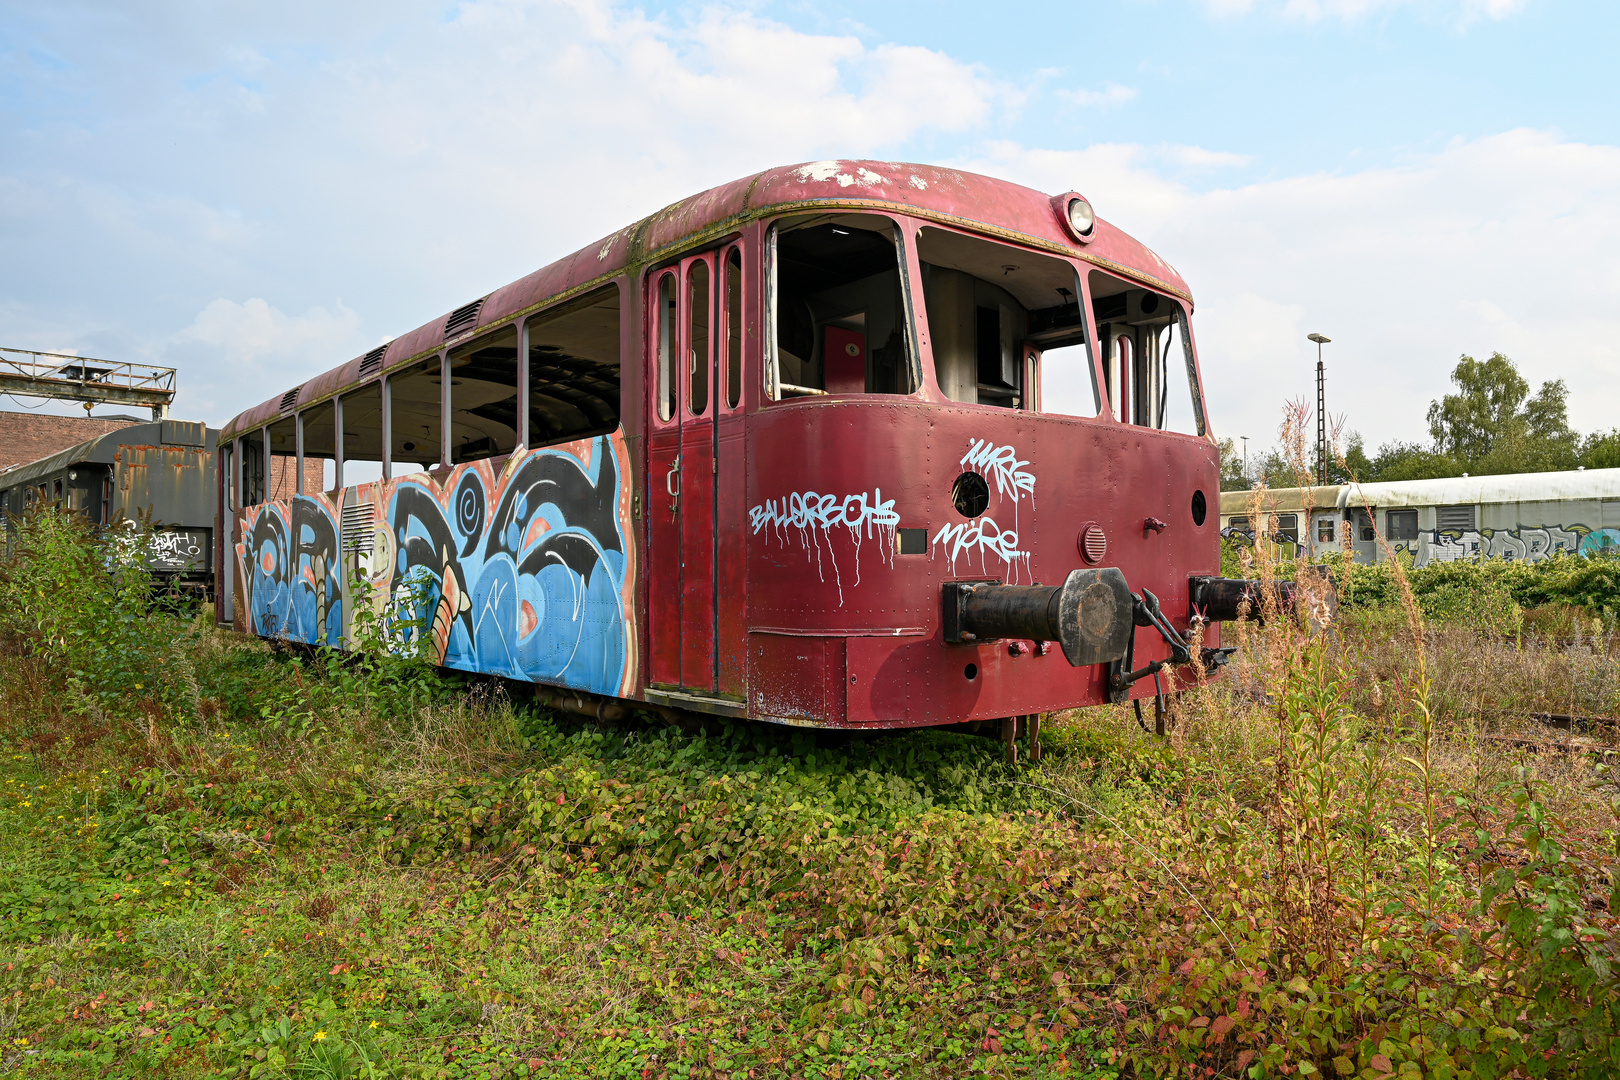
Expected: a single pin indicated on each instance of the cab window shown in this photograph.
(840, 322)
(1005, 325)
(1147, 358)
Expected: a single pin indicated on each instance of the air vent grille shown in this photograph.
(290, 398)
(463, 318)
(358, 520)
(1094, 543)
(371, 363)
(1455, 518)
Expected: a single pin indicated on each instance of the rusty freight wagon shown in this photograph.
(845, 444)
(161, 471)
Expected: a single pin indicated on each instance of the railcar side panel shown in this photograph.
(523, 566)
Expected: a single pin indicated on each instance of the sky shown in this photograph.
(255, 193)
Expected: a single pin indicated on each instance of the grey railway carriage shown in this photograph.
(164, 469)
(1527, 516)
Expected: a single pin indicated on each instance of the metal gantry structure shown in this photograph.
(64, 377)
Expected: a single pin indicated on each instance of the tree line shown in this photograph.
(1491, 425)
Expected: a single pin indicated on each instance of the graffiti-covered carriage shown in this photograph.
(843, 444)
(160, 474)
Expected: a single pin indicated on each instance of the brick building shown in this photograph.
(26, 436)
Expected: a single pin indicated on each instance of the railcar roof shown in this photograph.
(995, 207)
(1287, 500)
(99, 451)
(1574, 484)
(1568, 486)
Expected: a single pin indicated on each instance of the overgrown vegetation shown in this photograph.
(1349, 858)
(1492, 425)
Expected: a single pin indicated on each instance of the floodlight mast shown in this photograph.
(64, 377)
(1321, 410)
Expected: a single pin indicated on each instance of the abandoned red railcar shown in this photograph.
(851, 443)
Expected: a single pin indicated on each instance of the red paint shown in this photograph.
(845, 353)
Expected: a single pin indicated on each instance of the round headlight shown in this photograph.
(1081, 219)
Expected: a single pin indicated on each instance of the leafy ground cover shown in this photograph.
(221, 859)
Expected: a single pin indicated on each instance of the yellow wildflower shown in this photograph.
(319, 1035)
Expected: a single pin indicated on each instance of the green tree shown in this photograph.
(1232, 478)
(1601, 450)
(1492, 424)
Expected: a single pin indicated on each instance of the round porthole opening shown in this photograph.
(970, 494)
(971, 672)
(1200, 508)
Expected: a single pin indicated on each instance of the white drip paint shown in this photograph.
(814, 516)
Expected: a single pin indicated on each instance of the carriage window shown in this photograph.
(840, 315)
(733, 300)
(574, 369)
(698, 360)
(483, 397)
(414, 419)
(1005, 325)
(227, 461)
(1148, 364)
(1324, 530)
(253, 467)
(284, 458)
(1401, 525)
(667, 344)
(1285, 527)
(362, 435)
(320, 445)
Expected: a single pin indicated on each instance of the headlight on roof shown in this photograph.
(1075, 212)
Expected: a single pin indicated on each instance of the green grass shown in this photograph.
(217, 860)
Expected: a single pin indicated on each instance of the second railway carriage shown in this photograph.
(1524, 516)
(850, 443)
(163, 470)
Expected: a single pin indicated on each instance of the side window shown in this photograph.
(227, 461)
(362, 435)
(839, 322)
(483, 397)
(698, 360)
(574, 372)
(253, 467)
(733, 301)
(284, 458)
(1148, 369)
(1401, 525)
(1005, 325)
(415, 418)
(1286, 527)
(668, 342)
(320, 445)
(1324, 530)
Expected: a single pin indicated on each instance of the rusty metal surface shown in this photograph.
(174, 484)
(83, 378)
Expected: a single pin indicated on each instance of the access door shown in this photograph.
(682, 474)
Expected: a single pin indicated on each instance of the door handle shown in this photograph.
(672, 479)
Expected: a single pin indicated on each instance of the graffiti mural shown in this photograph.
(525, 572)
(982, 535)
(1523, 544)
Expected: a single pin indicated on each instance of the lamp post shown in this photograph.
(1245, 439)
(1321, 410)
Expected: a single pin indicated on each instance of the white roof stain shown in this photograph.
(919, 183)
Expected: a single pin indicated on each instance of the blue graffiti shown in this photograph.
(524, 572)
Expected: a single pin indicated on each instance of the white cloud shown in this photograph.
(1507, 243)
(253, 331)
(1110, 95)
(1460, 11)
